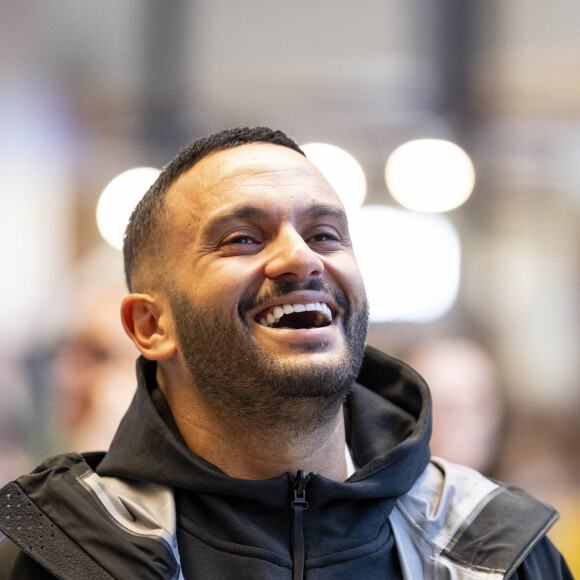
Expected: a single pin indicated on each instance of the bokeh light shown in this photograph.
(430, 175)
(341, 170)
(119, 199)
(410, 263)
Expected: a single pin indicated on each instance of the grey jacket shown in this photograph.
(453, 524)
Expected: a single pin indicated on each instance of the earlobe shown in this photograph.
(148, 324)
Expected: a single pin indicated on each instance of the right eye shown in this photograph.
(239, 240)
(238, 243)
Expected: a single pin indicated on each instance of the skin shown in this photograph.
(243, 220)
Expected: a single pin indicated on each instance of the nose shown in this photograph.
(291, 258)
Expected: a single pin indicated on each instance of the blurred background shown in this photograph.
(481, 296)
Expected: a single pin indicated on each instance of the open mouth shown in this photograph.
(297, 316)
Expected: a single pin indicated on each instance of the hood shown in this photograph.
(388, 425)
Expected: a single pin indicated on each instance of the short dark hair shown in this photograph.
(147, 222)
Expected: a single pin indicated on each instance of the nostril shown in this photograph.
(294, 260)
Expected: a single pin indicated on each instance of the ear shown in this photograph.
(148, 323)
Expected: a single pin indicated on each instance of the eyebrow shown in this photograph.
(326, 210)
(222, 218)
(253, 213)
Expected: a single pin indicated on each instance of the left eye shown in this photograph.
(325, 242)
(325, 235)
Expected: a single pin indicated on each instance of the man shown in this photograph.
(257, 446)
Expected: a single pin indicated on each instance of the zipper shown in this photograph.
(299, 505)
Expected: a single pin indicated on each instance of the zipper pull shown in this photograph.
(299, 506)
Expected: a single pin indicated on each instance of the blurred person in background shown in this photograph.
(266, 439)
(92, 375)
(468, 405)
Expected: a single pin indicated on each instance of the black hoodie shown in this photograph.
(252, 522)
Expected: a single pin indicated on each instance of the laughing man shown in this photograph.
(266, 440)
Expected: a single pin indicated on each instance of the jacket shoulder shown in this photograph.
(29, 511)
(544, 561)
(15, 564)
(466, 523)
(75, 524)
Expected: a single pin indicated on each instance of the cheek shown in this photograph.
(222, 285)
(346, 272)
(357, 281)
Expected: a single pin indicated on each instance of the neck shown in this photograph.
(254, 449)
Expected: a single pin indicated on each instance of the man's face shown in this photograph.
(266, 295)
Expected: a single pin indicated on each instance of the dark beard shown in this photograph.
(240, 380)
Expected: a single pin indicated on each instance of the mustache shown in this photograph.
(281, 288)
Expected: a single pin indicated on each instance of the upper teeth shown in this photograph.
(278, 311)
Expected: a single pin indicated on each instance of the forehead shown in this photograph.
(270, 176)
